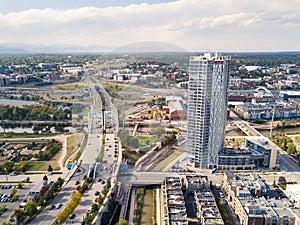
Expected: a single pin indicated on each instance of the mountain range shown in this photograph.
(20, 48)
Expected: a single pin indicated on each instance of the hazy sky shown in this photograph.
(196, 25)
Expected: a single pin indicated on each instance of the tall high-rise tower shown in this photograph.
(207, 106)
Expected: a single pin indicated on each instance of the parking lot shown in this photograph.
(6, 197)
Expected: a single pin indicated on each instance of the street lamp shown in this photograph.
(6, 174)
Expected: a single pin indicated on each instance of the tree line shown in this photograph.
(52, 147)
(32, 112)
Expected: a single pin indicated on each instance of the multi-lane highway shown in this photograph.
(48, 215)
(88, 157)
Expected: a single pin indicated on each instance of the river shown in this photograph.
(30, 129)
(265, 132)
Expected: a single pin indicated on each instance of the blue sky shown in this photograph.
(195, 25)
(20, 5)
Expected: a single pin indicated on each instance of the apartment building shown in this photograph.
(254, 202)
(207, 108)
(207, 210)
(174, 210)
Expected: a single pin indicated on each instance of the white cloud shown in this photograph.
(193, 24)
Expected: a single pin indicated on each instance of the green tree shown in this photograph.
(13, 191)
(291, 149)
(20, 185)
(3, 208)
(30, 208)
(50, 169)
(15, 197)
(157, 131)
(20, 214)
(122, 222)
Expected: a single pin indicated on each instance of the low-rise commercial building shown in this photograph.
(293, 193)
(175, 108)
(254, 153)
(254, 202)
(4, 80)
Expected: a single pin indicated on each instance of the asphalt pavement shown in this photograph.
(47, 215)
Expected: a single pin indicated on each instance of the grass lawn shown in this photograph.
(147, 140)
(43, 166)
(296, 140)
(73, 143)
(147, 207)
(122, 87)
(82, 147)
(70, 87)
(101, 154)
(164, 163)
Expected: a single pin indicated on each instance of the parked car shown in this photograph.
(15, 173)
(58, 205)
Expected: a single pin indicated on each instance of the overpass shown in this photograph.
(247, 128)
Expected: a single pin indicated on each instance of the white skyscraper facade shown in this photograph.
(207, 108)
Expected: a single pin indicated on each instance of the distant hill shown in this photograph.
(19, 48)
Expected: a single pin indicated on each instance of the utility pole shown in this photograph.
(6, 174)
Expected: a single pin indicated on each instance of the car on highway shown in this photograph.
(77, 182)
(221, 194)
(72, 216)
(97, 193)
(52, 206)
